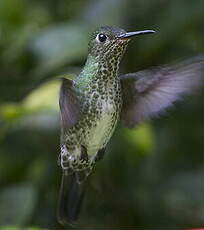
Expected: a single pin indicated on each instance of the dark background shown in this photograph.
(151, 177)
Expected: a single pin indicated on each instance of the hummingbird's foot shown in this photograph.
(79, 164)
(83, 171)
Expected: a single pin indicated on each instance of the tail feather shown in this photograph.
(70, 199)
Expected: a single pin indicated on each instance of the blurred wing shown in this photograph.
(148, 93)
(69, 104)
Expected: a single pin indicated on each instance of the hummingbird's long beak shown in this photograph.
(132, 34)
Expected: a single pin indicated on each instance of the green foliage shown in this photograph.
(19, 228)
(151, 177)
(142, 138)
(51, 46)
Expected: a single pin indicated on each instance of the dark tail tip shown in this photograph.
(70, 200)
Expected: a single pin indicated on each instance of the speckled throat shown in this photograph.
(99, 91)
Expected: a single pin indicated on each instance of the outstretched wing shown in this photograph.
(147, 93)
(69, 104)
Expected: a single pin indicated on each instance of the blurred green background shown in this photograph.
(152, 177)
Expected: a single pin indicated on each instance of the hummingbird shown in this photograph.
(98, 98)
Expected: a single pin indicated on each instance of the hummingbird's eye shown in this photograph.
(101, 37)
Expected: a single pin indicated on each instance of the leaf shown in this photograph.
(142, 138)
(58, 45)
(44, 97)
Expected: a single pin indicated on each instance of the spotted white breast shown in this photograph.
(101, 132)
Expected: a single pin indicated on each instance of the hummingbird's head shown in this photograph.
(110, 42)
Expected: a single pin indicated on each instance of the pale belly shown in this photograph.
(101, 132)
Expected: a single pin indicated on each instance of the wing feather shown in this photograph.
(69, 104)
(148, 93)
